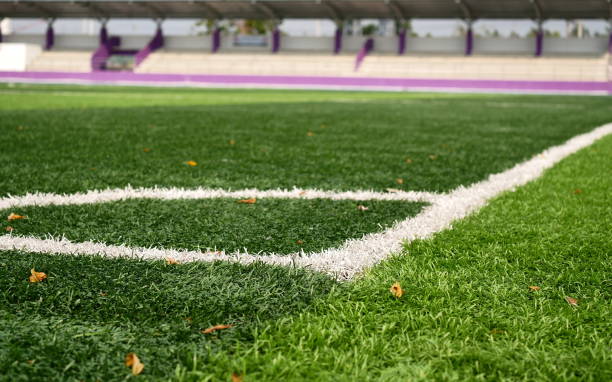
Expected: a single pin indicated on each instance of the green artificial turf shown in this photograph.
(67, 139)
(270, 225)
(467, 313)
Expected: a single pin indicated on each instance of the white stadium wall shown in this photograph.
(592, 46)
(15, 57)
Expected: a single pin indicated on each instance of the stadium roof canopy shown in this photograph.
(332, 9)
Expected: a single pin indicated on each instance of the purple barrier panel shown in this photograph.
(319, 82)
(469, 41)
(156, 42)
(276, 40)
(338, 41)
(103, 35)
(49, 37)
(368, 46)
(539, 43)
(401, 42)
(216, 40)
(99, 57)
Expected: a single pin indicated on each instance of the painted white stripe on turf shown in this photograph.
(111, 195)
(356, 254)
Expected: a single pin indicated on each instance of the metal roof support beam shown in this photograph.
(1, 18)
(396, 11)
(96, 11)
(465, 9)
(211, 12)
(332, 10)
(50, 34)
(156, 12)
(44, 11)
(267, 10)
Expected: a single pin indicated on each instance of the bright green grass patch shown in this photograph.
(467, 313)
(270, 225)
(91, 311)
(67, 139)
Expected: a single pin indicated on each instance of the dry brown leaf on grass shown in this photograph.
(396, 290)
(191, 163)
(572, 301)
(534, 288)
(37, 277)
(577, 191)
(247, 201)
(236, 377)
(132, 360)
(408, 160)
(213, 329)
(9, 229)
(299, 242)
(362, 208)
(310, 134)
(399, 181)
(14, 216)
(171, 261)
(232, 142)
(146, 150)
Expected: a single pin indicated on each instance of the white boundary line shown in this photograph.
(354, 255)
(173, 193)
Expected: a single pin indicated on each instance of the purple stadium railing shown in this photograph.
(401, 42)
(49, 37)
(276, 40)
(368, 46)
(469, 41)
(156, 42)
(216, 40)
(338, 41)
(539, 43)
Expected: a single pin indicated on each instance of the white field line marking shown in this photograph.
(354, 255)
(111, 195)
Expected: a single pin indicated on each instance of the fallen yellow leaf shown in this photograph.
(310, 134)
(399, 181)
(236, 377)
(146, 150)
(132, 360)
(247, 201)
(572, 301)
(14, 216)
(362, 208)
(408, 160)
(534, 288)
(171, 261)
(433, 157)
(232, 142)
(577, 191)
(215, 328)
(37, 277)
(191, 163)
(396, 290)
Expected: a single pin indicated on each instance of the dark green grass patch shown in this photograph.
(468, 312)
(67, 139)
(270, 225)
(80, 322)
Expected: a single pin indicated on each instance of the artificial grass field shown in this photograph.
(467, 314)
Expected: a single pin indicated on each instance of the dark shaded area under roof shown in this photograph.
(330, 9)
